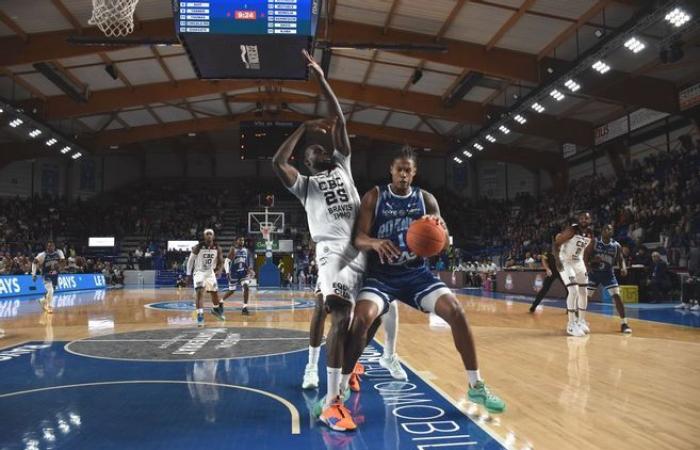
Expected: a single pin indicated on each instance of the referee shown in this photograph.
(550, 266)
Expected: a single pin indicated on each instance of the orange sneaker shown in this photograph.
(354, 382)
(338, 417)
(358, 369)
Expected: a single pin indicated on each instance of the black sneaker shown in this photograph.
(218, 313)
(532, 309)
(624, 328)
(245, 311)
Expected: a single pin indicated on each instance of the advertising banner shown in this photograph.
(16, 285)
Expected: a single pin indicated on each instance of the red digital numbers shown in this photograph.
(245, 15)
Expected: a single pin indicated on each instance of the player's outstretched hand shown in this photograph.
(386, 250)
(623, 271)
(322, 125)
(313, 65)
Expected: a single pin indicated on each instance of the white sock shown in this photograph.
(334, 376)
(571, 302)
(200, 310)
(391, 327)
(473, 376)
(582, 302)
(314, 353)
(344, 381)
(624, 320)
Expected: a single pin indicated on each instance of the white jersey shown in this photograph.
(572, 250)
(331, 201)
(206, 259)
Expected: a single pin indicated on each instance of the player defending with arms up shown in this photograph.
(396, 273)
(607, 253)
(204, 266)
(238, 266)
(51, 262)
(572, 249)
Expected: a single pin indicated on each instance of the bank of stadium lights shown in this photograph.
(34, 133)
(678, 17)
(478, 146)
(601, 67)
(634, 45)
(537, 107)
(467, 153)
(572, 85)
(65, 149)
(490, 138)
(15, 123)
(504, 129)
(77, 155)
(457, 160)
(557, 95)
(520, 119)
(51, 142)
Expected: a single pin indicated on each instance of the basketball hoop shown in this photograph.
(113, 17)
(266, 230)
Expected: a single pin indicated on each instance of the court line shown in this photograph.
(189, 339)
(293, 411)
(490, 431)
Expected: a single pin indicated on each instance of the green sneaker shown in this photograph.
(482, 395)
(318, 407)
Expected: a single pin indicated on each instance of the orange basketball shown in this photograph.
(426, 237)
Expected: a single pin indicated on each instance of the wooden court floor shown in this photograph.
(605, 391)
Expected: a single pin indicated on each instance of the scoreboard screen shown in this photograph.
(248, 17)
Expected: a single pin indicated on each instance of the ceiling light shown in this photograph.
(191, 134)
(467, 154)
(457, 160)
(478, 146)
(601, 67)
(15, 123)
(572, 85)
(520, 119)
(677, 17)
(77, 155)
(490, 138)
(634, 45)
(50, 142)
(558, 96)
(504, 129)
(537, 107)
(2, 110)
(34, 133)
(65, 149)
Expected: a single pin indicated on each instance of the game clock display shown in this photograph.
(247, 17)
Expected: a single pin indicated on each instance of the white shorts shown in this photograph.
(341, 268)
(206, 280)
(574, 272)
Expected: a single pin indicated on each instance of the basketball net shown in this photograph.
(266, 231)
(113, 17)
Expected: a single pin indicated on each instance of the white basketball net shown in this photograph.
(266, 230)
(113, 17)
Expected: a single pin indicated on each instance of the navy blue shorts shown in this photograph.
(237, 279)
(605, 279)
(419, 289)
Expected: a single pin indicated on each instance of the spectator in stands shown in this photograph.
(530, 262)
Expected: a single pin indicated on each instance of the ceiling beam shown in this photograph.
(12, 25)
(171, 129)
(450, 18)
(390, 15)
(163, 66)
(103, 101)
(512, 20)
(75, 23)
(20, 81)
(573, 28)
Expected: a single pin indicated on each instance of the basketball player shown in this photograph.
(238, 266)
(51, 263)
(607, 253)
(395, 273)
(549, 263)
(572, 248)
(204, 266)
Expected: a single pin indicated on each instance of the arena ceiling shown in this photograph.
(512, 44)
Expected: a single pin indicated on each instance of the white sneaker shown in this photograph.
(695, 307)
(572, 329)
(393, 365)
(682, 306)
(310, 377)
(583, 326)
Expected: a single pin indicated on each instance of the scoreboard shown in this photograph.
(246, 17)
(247, 39)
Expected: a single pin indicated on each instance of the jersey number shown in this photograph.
(332, 197)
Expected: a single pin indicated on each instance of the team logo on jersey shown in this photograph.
(322, 261)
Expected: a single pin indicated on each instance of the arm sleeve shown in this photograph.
(190, 263)
(227, 266)
(300, 188)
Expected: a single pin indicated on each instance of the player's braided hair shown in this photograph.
(406, 152)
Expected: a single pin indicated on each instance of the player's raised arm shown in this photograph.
(433, 209)
(564, 236)
(386, 249)
(280, 162)
(340, 132)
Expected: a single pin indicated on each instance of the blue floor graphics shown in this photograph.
(51, 398)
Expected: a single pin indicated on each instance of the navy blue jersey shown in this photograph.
(605, 255)
(393, 215)
(50, 265)
(240, 263)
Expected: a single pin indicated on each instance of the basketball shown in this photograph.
(426, 237)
